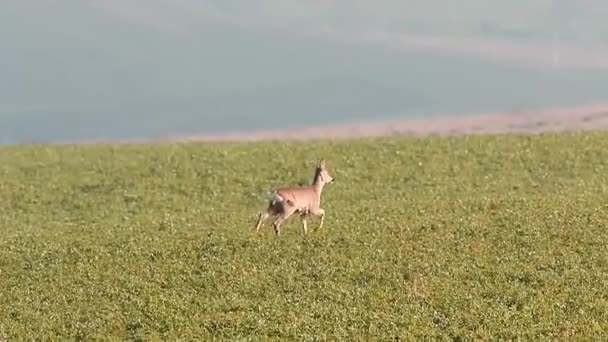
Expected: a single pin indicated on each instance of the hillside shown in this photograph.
(470, 237)
(123, 69)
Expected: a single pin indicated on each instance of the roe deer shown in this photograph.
(305, 200)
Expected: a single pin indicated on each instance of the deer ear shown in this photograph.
(321, 163)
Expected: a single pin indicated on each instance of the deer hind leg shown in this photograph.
(281, 218)
(262, 216)
(277, 224)
(265, 214)
(304, 216)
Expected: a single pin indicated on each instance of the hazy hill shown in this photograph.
(86, 69)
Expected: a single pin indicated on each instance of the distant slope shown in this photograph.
(75, 71)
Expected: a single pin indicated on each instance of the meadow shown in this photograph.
(452, 238)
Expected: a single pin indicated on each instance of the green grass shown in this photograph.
(478, 237)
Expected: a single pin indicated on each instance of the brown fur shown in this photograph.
(304, 200)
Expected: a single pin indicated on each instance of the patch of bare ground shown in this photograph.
(591, 117)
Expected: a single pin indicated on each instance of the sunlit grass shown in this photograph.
(471, 237)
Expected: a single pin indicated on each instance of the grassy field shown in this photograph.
(478, 237)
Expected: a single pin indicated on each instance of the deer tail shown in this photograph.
(275, 198)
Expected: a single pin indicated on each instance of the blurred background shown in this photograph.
(88, 69)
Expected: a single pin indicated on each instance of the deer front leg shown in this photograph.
(319, 212)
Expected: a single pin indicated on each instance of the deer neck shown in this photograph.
(318, 184)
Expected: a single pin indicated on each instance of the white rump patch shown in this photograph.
(275, 197)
